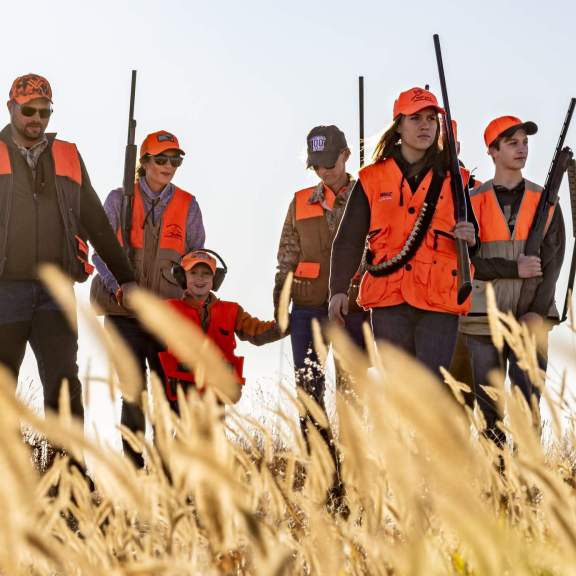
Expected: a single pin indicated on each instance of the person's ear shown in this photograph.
(346, 154)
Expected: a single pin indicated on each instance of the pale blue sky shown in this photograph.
(241, 84)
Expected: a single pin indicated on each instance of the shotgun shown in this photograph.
(129, 174)
(458, 192)
(546, 205)
(572, 188)
(361, 117)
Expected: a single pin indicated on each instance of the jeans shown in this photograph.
(308, 372)
(28, 313)
(428, 336)
(484, 358)
(145, 349)
(310, 375)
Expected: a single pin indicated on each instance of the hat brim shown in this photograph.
(417, 106)
(187, 266)
(29, 97)
(529, 127)
(323, 159)
(161, 151)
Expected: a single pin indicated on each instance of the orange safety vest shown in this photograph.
(173, 233)
(68, 173)
(311, 276)
(310, 285)
(221, 330)
(153, 256)
(498, 242)
(429, 280)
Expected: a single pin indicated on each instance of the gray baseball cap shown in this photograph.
(325, 143)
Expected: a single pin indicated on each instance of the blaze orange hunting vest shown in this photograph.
(429, 280)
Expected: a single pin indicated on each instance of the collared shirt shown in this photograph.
(32, 154)
(333, 211)
(510, 200)
(155, 203)
(154, 206)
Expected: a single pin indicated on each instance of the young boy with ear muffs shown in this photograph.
(200, 276)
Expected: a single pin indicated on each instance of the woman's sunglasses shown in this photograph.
(30, 111)
(161, 159)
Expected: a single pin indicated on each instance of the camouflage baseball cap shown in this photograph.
(325, 143)
(30, 87)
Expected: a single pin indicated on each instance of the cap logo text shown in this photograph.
(421, 96)
(318, 143)
(165, 138)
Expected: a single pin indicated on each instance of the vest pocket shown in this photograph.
(441, 241)
(443, 284)
(309, 270)
(373, 290)
(378, 239)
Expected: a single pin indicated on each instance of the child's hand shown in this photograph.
(338, 308)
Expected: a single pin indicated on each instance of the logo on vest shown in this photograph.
(384, 196)
(174, 231)
(318, 143)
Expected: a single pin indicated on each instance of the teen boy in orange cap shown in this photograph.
(505, 207)
(222, 321)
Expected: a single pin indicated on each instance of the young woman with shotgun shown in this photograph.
(402, 205)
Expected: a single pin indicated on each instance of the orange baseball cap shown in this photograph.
(414, 100)
(499, 126)
(198, 257)
(30, 87)
(159, 142)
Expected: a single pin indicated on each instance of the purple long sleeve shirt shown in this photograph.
(195, 235)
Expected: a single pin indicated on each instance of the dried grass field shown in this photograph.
(425, 493)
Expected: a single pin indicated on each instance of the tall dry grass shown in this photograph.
(426, 493)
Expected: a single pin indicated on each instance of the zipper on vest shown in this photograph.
(35, 198)
(7, 228)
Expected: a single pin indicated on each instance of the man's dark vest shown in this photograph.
(68, 177)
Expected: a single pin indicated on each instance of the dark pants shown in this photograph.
(484, 358)
(308, 372)
(429, 336)
(29, 314)
(145, 349)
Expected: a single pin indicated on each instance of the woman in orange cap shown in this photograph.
(402, 205)
(166, 224)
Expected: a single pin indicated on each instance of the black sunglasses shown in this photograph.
(161, 159)
(30, 111)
